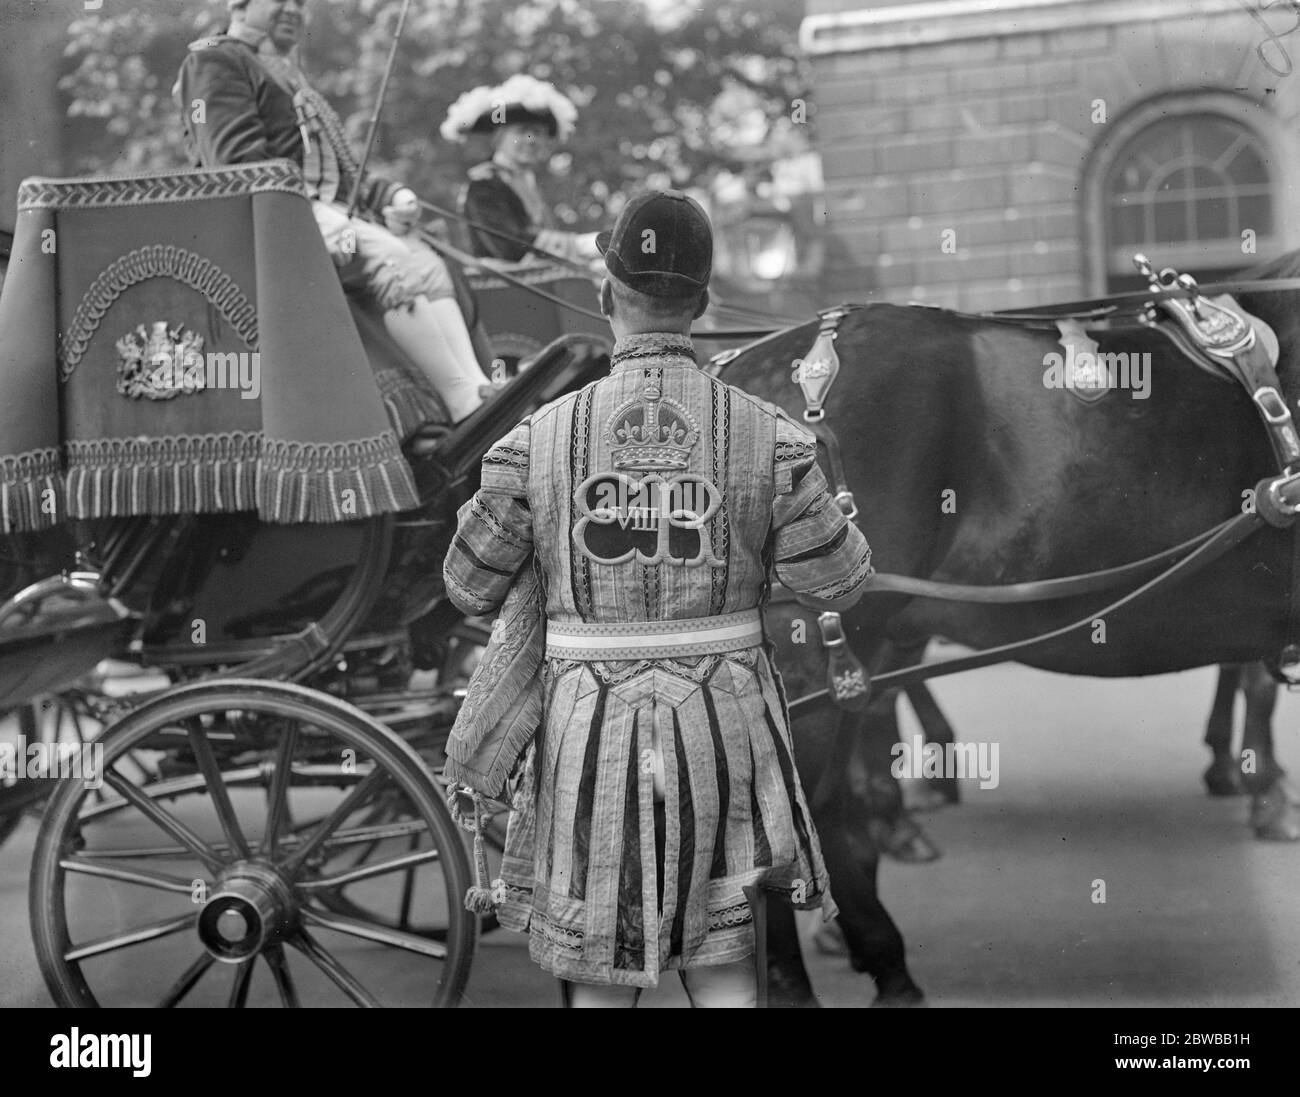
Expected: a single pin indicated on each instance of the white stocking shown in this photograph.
(725, 986)
(433, 335)
(591, 996)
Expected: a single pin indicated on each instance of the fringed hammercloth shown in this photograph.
(181, 344)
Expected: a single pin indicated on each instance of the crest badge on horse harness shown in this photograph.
(160, 362)
(1086, 375)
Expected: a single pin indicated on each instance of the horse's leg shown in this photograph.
(1271, 814)
(788, 985)
(891, 825)
(937, 730)
(1223, 778)
(843, 813)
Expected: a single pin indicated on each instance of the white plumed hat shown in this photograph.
(522, 98)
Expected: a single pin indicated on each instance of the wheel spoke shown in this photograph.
(143, 877)
(365, 872)
(150, 932)
(376, 833)
(342, 839)
(368, 931)
(338, 974)
(239, 990)
(275, 960)
(187, 982)
(163, 819)
(353, 800)
(278, 808)
(374, 815)
(145, 852)
(408, 889)
(217, 789)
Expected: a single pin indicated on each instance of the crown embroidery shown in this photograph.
(651, 434)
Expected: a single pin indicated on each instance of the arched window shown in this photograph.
(1188, 189)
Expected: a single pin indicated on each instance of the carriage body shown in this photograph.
(216, 547)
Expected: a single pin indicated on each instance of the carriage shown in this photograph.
(231, 600)
(221, 615)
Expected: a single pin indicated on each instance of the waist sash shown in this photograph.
(653, 639)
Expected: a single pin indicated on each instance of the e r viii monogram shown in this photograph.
(651, 520)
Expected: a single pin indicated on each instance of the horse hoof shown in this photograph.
(1272, 818)
(902, 839)
(1222, 780)
(918, 796)
(914, 849)
(1292, 794)
(907, 999)
(829, 941)
(1278, 832)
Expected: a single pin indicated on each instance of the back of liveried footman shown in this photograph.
(656, 504)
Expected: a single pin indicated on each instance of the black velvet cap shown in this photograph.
(661, 245)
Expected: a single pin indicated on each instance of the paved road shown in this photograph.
(1099, 780)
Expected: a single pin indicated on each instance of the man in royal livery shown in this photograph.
(243, 99)
(657, 503)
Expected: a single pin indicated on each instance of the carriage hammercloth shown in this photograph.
(230, 257)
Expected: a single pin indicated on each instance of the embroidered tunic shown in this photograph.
(509, 200)
(657, 493)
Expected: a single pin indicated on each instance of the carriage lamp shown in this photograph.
(770, 247)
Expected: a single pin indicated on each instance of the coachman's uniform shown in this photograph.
(510, 201)
(658, 502)
(258, 106)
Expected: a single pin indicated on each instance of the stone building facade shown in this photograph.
(984, 154)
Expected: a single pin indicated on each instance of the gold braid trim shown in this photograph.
(148, 189)
(155, 261)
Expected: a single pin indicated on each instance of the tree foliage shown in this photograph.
(669, 94)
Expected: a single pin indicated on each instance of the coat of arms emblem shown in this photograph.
(160, 362)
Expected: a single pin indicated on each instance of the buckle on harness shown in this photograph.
(1271, 405)
(848, 507)
(1274, 506)
(847, 680)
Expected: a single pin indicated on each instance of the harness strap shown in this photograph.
(1102, 308)
(1037, 590)
(1227, 537)
(843, 496)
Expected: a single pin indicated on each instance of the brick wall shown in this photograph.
(989, 138)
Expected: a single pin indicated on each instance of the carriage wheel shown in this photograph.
(197, 889)
(425, 728)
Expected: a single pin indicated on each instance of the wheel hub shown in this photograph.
(251, 907)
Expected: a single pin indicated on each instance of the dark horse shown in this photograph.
(933, 406)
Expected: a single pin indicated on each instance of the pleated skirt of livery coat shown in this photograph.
(734, 814)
